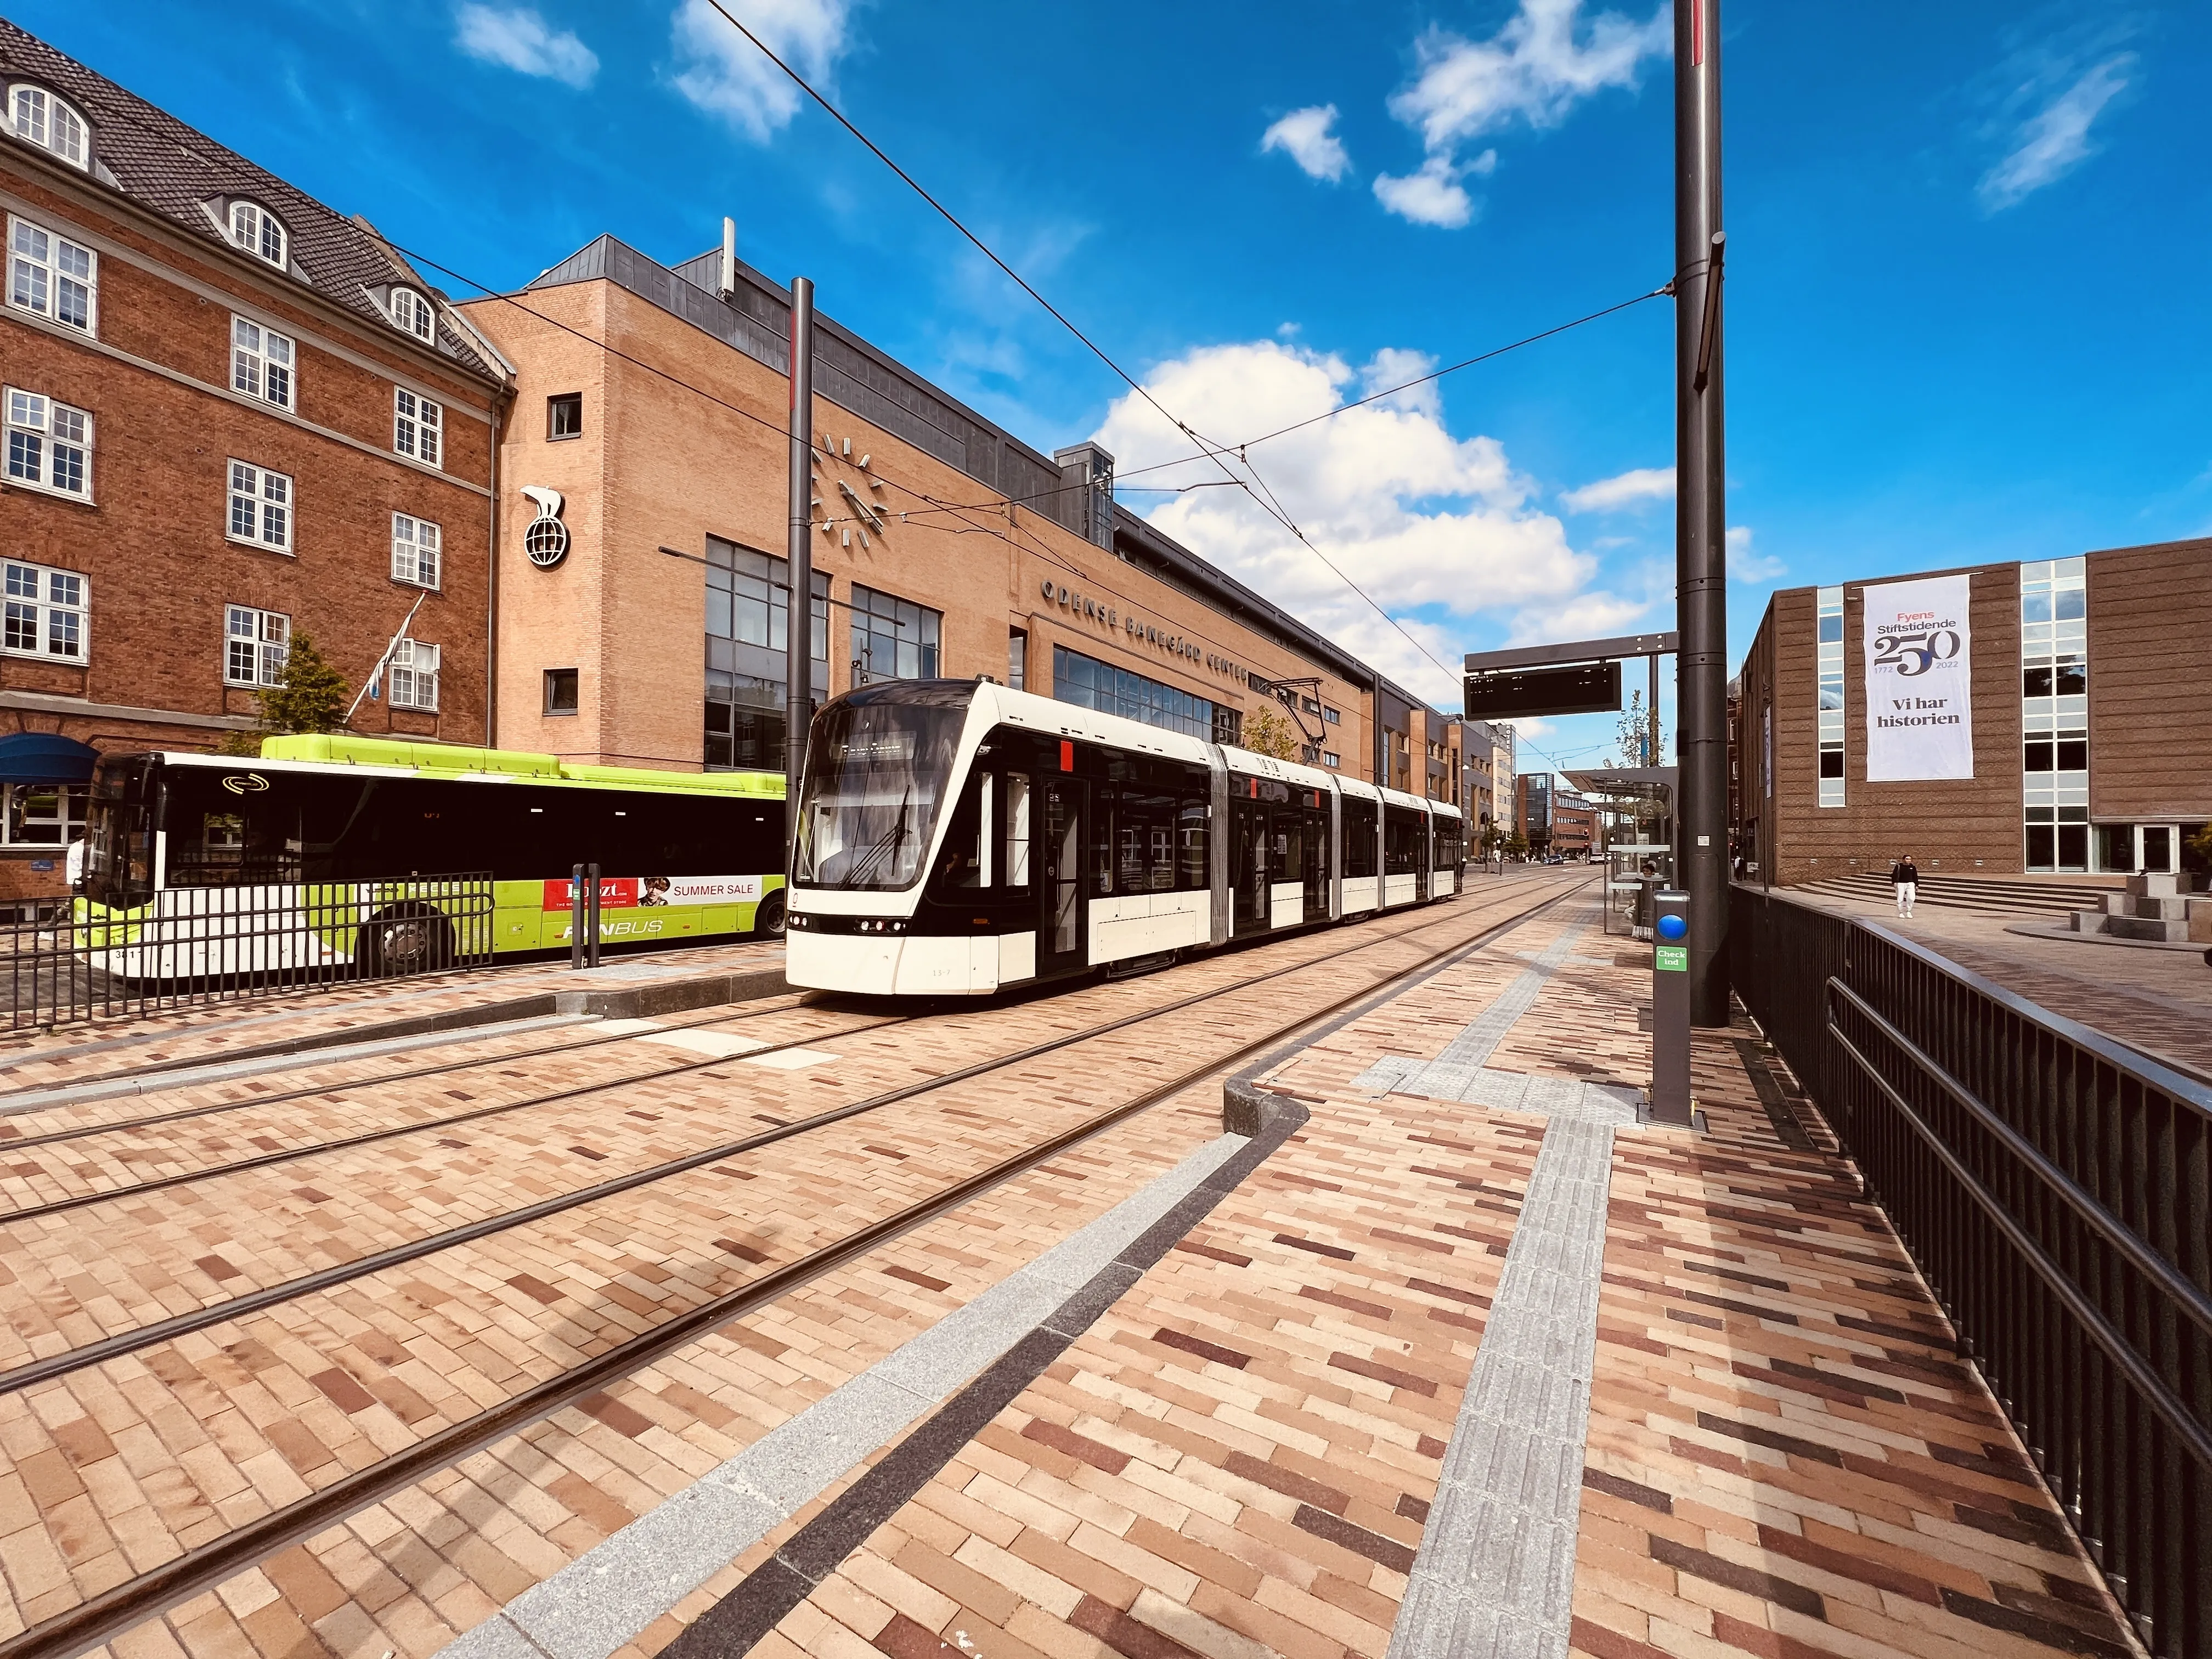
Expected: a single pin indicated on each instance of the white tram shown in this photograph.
(957, 837)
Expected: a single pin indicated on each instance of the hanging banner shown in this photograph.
(1919, 698)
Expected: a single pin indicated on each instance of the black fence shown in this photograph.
(2055, 1188)
(195, 945)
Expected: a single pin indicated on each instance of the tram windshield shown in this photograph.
(877, 774)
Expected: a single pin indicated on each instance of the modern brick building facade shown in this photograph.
(2091, 686)
(233, 415)
(652, 402)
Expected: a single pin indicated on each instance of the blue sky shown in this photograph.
(1967, 252)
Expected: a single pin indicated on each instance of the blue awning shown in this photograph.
(45, 758)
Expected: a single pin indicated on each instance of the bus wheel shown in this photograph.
(767, 921)
(405, 938)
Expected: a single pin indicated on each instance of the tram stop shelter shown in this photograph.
(1637, 866)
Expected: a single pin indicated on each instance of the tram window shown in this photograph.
(1145, 840)
(967, 859)
(1191, 874)
(1290, 847)
(1018, 830)
(1358, 836)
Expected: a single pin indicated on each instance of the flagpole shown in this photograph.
(377, 672)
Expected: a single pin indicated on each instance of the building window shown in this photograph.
(261, 362)
(893, 639)
(748, 665)
(49, 444)
(415, 545)
(43, 814)
(45, 612)
(1328, 758)
(255, 645)
(52, 276)
(1829, 606)
(43, 120)
(1228, 726)
(254, 228)
(418, 426)
(1090, 684)
(1018, 658)
(561, 691)
(2054, 711)
(261, 506)
(564, 416)
(1330, 714)
(414, 676)
(411, 311)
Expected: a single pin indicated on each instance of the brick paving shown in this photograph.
(112, 1468)
(1784, 1457)
(213, 1031)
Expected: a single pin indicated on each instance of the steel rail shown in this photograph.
(143, 1336)
(13, 1143)
(149, 1594)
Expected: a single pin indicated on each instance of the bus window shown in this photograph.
(1018, 830)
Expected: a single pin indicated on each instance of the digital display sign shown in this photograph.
(1589, 688)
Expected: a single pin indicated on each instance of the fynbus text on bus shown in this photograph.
(330, 850)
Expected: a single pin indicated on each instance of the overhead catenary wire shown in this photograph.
(1210, 450)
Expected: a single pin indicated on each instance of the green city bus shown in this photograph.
(328, 850)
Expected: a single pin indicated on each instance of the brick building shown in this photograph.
(650, 419)
(2089, 682)
(233, 415)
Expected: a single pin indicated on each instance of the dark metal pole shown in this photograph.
(1700, 509)
(799, 547)
(576, 912)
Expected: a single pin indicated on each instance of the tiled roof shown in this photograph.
(172, 169)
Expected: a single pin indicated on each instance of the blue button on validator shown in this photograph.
(1673, 926)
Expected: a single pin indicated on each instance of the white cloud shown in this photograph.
(1303, 134)
(517, 38)
(1539, 65)
(1642, 484)
(725, 75)
(1746, 565)
(1419, 517)
(2050, 143)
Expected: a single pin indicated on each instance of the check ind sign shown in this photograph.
(1671, 958)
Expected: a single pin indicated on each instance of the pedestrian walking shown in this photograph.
(1904, 876)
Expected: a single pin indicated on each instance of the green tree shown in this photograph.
(1267, 733)
(1633, 732)
(311, 697)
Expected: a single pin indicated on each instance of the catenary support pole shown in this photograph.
(799, 547)
(1701, 510)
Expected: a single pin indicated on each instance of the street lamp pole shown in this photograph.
(1700, 508)
(799, 548)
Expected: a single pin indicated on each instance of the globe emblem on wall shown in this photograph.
(545, 538)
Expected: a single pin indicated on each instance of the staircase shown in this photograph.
(1988, 895)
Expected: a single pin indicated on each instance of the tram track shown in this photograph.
(151, 1593)
(138, 1337)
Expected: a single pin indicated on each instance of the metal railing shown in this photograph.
(2055, 1189)
(200, 945)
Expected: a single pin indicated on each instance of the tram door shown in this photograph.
(1060, 885)
(1247, 868)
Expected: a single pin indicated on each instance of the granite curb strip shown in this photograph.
(546, 1011)
(977, 1358)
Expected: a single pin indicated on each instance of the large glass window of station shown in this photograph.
(2054, 717)
(1090, 684)
(748, 626)
(893, 639)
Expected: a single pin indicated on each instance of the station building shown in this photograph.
(651, 421)
(2082, 739)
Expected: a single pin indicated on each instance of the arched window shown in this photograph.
(45, 120)
(257, 231)
(411, 311)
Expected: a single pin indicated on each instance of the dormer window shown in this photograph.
(253, 228)
(411, 311)
(39, 118)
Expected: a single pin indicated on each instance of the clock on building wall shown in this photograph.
(545, 538)
(848, 512)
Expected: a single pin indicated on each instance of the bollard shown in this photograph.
(1670, 1009)
(591, 947)
(576, 916)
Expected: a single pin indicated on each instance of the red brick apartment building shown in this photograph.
(233, 415)
(2086, 685)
